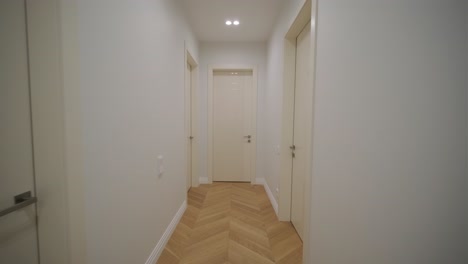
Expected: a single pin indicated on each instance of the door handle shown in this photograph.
(21, 201)
(293, 147)
(249, 136)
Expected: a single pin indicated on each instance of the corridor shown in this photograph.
(233, 132)
(231, 223)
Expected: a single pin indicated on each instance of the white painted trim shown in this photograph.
(75, 177)
(204, 180)
(167, 235)
(287, 132)
(274, 203)
(211, 69)
(307, 13)
(54, 99)
(194, 109)
(308, 183)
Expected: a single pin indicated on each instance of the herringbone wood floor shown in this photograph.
(231, 223)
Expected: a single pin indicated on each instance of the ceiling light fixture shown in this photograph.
(228, 22)
(236, 22)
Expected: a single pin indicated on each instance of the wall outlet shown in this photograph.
(160, 168)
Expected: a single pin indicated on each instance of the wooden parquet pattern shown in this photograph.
(231, 223)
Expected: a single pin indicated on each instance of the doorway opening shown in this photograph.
(232, 123)
(191, 115)
(36, 164)
(297, 122)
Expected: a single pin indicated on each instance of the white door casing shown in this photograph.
(188, 122)
(232, 109)
(306, 15)
(300, 130)
(18, 230)
(191, 115)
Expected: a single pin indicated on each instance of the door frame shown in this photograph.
(232, 67)
(56, 116)
(54, 96)
(307, 13)
(193, 100)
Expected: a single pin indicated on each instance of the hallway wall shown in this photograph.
(238, 53)
(389, 167)
(132, 94)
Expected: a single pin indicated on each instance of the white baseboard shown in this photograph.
(167, 235)
(274, 203)
(204, 180)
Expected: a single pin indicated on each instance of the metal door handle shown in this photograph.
(249, 136)
(21, 201)
(293, 147)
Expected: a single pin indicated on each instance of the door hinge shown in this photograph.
(293, 149)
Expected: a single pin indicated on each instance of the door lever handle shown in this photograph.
(293, 147)
(21, 201)
(249, 136)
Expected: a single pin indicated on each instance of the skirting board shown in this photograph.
(204, 180)
(274, 203)
(167, 235)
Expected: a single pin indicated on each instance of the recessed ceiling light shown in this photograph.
(236, 22)
(229, 22)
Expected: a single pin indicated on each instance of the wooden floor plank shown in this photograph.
(231, 223)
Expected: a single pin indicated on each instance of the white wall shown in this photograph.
(274, 93)
(389, 176)
(222, 53)
(132, 101)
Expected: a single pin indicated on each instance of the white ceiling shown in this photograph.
(208, 17)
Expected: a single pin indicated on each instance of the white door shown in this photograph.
(18, 231)
(300, 121)
(188, 122)
(232, 125)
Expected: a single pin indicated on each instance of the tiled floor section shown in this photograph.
(231, 223)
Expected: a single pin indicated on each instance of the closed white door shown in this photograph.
(232, 125)
(18, 231)
(188, 122)
(300, 121)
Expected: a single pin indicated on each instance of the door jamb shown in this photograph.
(307, 13)
(211, 69)
(194, 110)
(56, 136)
